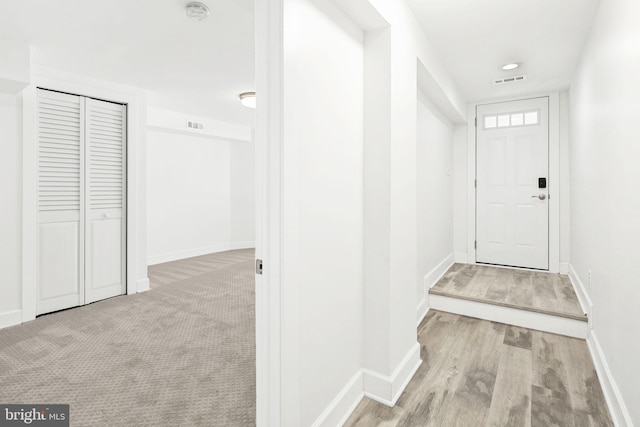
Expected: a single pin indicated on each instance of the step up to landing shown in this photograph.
(571, 325)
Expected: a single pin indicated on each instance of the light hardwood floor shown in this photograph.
(481, 373)
(526, 290)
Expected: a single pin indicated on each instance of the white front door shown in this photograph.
(512, 187)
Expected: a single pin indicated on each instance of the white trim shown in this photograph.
(190, 253)
(460, 257)
(471, 183)
(438, 271)
(430, 280)
(136, 173)
(10, 318)
(269, 117)
(249, 244)
(423, 309)
(617, 407)
(343, 405)
(142, 285)
(582, 294)
(554, 182)
(554, 177)
(387, 389)
(29, 202)
(564, 268)
(510, 316)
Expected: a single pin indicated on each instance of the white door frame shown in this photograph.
(554, 177)
(269, 48)
(137, 279)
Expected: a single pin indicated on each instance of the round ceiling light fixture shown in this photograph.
(197, 11)
(248, 99)
(510, 66)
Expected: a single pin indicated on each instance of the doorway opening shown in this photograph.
(512, 184)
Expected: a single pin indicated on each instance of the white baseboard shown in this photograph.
(432, 277)
(242, 245)
(387, 389)
(189, 253)
(343, 405)
(617, 408)
(564, 268)
(142, 285)
(10, 318)
(430, 280)
(423, 309)
(460, 257)
(510, 316)
(583, 295)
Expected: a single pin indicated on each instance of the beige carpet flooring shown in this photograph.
(181, 354)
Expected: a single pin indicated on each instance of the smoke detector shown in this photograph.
(197, 11)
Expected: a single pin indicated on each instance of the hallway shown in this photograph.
(479, 373)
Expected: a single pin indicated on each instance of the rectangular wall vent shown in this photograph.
(194, 125)
(509, 80)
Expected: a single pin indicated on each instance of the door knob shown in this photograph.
(540, 196)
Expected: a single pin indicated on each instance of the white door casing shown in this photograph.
(81, 201)
(512, 211)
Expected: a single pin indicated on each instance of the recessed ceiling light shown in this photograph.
(248, 99)
(510, 66)
(197, 11)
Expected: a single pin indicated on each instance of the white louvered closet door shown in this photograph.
(60, 231)
(105, 201)
(81, 201)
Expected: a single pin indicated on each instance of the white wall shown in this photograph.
(341, 275)
(201, 186)
(322, 303)
(434, 157)
(399, 59)
(188, 195)
(200, 195)
(605, 200)
(242, 194)
(11, 211)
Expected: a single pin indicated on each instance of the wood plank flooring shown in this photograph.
(526, 290)
(480, 373)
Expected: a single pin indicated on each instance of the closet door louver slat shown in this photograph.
(60, 233)
(105, 163)
(81, 201)
(60, 154)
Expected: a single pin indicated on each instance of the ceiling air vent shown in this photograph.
(509, 80)
(194, 125)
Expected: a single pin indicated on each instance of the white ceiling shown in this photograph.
(193, 67)
(475, 37)
(200, 68)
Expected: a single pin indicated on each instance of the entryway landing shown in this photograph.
(533, 299)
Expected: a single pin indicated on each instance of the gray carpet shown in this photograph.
(181, 354)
